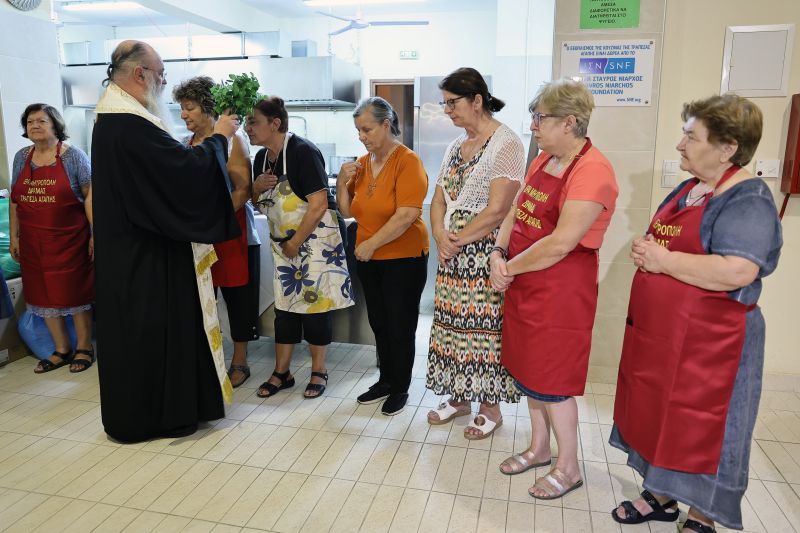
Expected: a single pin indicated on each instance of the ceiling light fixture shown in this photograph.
(332, 3)
(101, 6)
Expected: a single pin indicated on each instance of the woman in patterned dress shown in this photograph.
(480, 175)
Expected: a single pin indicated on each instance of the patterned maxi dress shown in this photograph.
(464, 353)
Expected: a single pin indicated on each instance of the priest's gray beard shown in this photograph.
(154, 102)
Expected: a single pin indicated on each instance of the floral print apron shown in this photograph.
(316, 280)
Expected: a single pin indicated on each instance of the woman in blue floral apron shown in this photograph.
(311, 276)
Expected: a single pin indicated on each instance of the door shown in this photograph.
(400, 94)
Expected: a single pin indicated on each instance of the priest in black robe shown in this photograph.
(153, 198)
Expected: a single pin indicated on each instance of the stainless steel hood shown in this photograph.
(305, 83)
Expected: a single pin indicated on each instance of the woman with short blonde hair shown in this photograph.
(546, 262)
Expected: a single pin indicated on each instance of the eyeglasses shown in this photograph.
(162, 74)
(451, 102)
(537, 117)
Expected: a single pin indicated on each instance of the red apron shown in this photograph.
(680, 355)
(548, 314)
(231, 269)
(53, 237)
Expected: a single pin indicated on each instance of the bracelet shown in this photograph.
(500, 249)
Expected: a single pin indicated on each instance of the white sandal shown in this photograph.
(486, 427)
(446, 412)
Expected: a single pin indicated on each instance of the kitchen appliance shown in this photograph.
(433, 130)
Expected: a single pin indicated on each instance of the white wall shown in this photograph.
(28, 73)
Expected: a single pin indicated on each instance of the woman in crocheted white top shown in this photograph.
(479, 178)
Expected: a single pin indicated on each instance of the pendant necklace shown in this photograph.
(373, 178)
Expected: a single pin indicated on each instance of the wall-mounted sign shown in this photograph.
(618, 73)
(604, 14)
(409, 54)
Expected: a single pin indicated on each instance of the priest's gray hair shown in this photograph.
(126, 56)
(381, 110)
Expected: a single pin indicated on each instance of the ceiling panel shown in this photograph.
(142, 16)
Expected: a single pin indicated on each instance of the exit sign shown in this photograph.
(409, 54)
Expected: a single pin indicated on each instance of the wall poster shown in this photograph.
(605, 14)
(618, 73)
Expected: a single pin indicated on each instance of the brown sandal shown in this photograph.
(555, 484)
(518, 463)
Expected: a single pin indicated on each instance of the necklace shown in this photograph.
(373, 177)
(270, 166)
(697, 195)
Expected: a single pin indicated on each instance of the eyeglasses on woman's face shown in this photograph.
(537, 118)
(450, 103)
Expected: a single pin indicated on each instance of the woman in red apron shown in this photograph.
(50, 224)
(236, 271)
(690, 375)
(546, 261)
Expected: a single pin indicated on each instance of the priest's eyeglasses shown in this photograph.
(162, 74)
(450, 103)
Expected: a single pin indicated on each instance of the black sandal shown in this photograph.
(46, 365)
(272, 389)
(244, 369)
(318, 388)
(694, 525)
(660, 513)
(82, 363)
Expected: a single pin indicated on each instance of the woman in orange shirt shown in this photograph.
(384, 191)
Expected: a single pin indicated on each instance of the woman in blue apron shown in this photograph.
(311, 276)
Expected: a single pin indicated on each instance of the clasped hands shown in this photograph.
(499, 276)
(648, 255)
(449, 245)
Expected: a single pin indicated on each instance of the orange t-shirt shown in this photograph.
(402, 182)
(591, 179)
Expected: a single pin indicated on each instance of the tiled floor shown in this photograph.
(289, 464)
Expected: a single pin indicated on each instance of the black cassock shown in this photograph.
(152, 197)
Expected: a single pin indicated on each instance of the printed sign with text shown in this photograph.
(618, 73)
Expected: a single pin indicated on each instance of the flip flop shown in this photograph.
(447, 412)
(486, 427)
(555, 485)
(520, 464)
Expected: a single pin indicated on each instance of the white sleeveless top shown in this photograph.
(503, 157)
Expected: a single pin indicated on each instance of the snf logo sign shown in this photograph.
(607, 65)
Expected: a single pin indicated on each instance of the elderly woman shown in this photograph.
(690, 375)
(237, 270)
(384, 190)
(311, 276)
(546, 261)
(50, 219)
(480, 174)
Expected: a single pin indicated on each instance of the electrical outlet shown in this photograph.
(767, 168)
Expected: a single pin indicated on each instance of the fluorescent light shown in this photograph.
(330, 3)
(102, 6)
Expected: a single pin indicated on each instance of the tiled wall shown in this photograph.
(627, 136)
(28, 73)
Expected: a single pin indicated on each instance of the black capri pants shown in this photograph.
(315, 328)
(242, 301)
